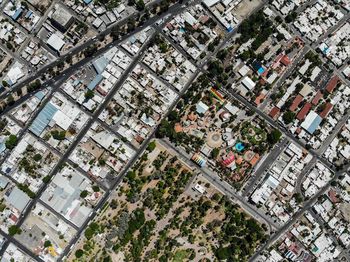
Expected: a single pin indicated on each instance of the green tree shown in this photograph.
(47, 243)
(151, 146)
(11, 142)
(96, 188)
(79, 253)
(288, 117)
(83, 194)
(89, 94)
(274, 136)
(140, 5)
(13, 230)
(215, 153)
(37, 157)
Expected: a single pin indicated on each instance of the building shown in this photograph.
(296, 103)
(311, 122)
(332, 84)
(248, 83)
(55, 42)
(61, 18)
(304, 111)
(18, 199)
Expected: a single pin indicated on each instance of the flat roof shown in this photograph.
(311, 122)
(43, 119)
(248, 83)
(55, 42)
(18, 199)
(61, 16)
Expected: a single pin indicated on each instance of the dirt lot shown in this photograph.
(246, 7)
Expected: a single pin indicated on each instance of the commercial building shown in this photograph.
(61, 18)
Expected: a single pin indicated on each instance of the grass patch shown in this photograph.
(180, 255)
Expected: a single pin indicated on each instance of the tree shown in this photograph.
(79, 253)
(89, 94)
(58, 135)
(274, 136)
(298, 198)
(13, 230)
(96, 188)
(140, 5)
(47, 243)
(215, 153)
(151, 146)
(46, 179)
(288, 117)
(83, 194)
(11, 142)
(115, 32)
(37, 157)
(4, 83)
(223, 253)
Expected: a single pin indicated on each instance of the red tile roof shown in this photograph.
(254, 160)
(297, 100)
(332, 84)
(326, 110)
(333, 196)
(285, 60)
(317, 98)
(304, 111)
(274, 111)
(259, 99)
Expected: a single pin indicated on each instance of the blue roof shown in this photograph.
(98, 78)
(100, 64)
(314, 125)
(29, 14)
(87, 1)
(229, 29)
(43, 119)
(40, 95)
(17, 13)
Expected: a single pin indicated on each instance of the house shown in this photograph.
(326, 110)
(248, 83)
(311, 122)
(296, 102)
(304, 111)
(274, 112)
(317, 98)
(332, 84)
